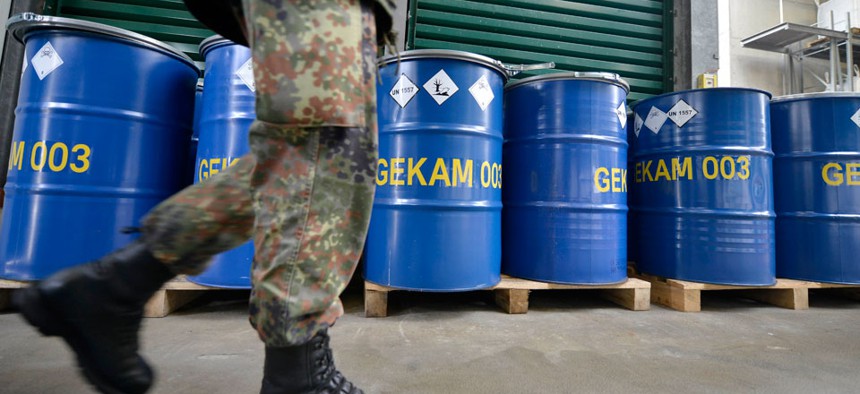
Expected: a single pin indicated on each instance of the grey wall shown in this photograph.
(5, 9)
(401, 15)
(696, 47)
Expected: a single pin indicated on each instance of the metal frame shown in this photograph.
(788, 39)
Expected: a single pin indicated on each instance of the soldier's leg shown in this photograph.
(315, 145)
(97, 307)
(202, 220)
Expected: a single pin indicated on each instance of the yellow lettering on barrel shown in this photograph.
(852, 174)
(647, 171)
(624, 180)
(462, 174)
(440, 172)
(64, 157)
(744, 172)
(83, 158)
(680, 170)
(382, 174)
(723, 172)
(212, 164)
(638, 173)
(497, 176)
(601, 179)
(486, 175)
(616, 180)
(414, 170)
(825, 174)
(710, 161)
(42, 156)
(396, 169)
(201, 174)
(662, 170)
(17, 158)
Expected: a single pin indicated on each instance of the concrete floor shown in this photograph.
(461, 343)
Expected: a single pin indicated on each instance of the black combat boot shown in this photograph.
(304, 369)
(97, 308)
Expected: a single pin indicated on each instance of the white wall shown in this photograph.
(744, 67)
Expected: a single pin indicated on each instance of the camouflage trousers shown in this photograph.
(305, 190)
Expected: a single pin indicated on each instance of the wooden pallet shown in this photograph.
(6, 289)
(171, 297)
(847, 291)
(686, 296)
(512, 294)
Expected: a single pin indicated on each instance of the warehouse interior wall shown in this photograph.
(5, 10)
(696, 48)
(744, 67)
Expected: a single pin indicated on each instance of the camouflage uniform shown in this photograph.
(305, 191)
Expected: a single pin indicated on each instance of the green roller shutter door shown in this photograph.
(164, 20)
(628, 37)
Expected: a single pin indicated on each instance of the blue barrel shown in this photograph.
(195, 135)
(631, 135)
(702, 196)
(816, 139)
(436, 223)
(565, 197)
(226, 113)
(101, 134)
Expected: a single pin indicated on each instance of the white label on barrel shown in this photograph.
(681, 113)
(246, 74)
(637, 124)
(441, 87)
(46, 60)
(403, 91)
(856, 118)
(656, 119)
(621, 111)
(482, 92)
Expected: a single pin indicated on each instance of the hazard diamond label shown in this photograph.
(482, 92)
(637, 124)
(46, 61)
(246, 74)
(856, 118)
(655, 120)
(681, 113)
(403, 91)
(621, 111)
(441, 87)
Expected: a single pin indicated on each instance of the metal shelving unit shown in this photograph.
(798, 42)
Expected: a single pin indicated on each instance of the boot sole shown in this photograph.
(38, 312)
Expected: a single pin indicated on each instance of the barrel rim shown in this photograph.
(211, 42)
(596, 76)
(22, 24)
(806, 96)
(723, 88)
(445, 54)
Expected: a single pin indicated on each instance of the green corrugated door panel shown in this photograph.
(165, 20)
(627, 37)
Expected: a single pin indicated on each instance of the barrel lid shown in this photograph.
(22, 24)
(210, 43)
(612, 78)
(444, 54)
(717, 89)
(805, 96)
